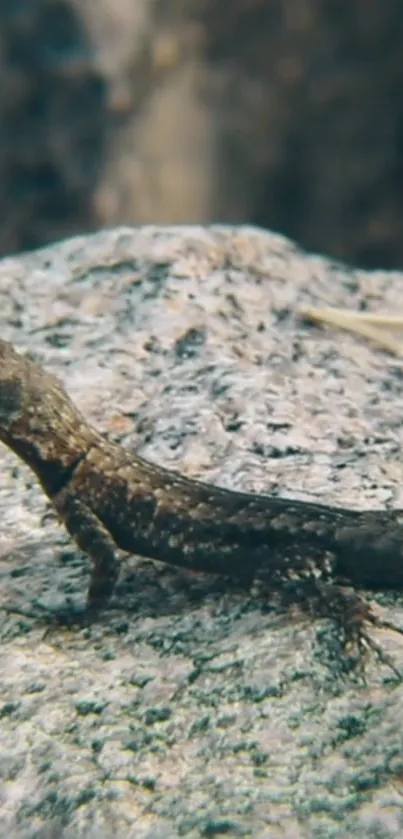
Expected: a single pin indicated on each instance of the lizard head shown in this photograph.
(37, 418)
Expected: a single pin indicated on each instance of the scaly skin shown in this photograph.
(109, 499)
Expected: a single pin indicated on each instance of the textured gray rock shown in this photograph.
(191, 708)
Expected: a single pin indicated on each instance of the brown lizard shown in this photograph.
(110, 498)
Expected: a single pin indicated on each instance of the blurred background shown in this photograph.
(287, 114)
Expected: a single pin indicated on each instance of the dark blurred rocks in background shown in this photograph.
(282, 113)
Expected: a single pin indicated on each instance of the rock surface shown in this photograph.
(192, 709)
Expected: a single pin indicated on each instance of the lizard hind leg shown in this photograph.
(370, 643)
(354, 618)
(350, 615)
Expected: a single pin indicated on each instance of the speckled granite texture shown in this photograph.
(191, 709)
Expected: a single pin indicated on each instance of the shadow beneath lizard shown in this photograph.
(211, 604)
(149, 589)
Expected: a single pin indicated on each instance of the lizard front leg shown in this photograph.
(92, 537)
